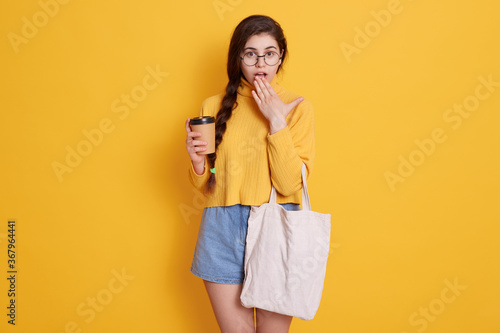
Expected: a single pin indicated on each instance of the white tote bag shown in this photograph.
(285, 257)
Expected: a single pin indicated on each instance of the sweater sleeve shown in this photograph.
(198, 181)
(291, 146)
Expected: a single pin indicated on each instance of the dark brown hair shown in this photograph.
(252, 25)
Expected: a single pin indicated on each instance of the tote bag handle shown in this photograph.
(306, 204)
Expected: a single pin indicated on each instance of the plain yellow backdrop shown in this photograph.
(94, 95)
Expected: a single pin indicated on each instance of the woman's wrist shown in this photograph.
(277, 124)
(199, 168)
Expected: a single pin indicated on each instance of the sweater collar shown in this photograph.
(245, 88)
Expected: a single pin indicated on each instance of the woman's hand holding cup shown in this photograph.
(194, 146)
(200, 140)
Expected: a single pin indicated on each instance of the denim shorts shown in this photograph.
(219, 255)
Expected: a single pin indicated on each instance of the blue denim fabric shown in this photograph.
(219, 255)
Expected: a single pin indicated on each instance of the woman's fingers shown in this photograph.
(269, 103)
(262, 93)
(268, 87)
(197, 149)
(198, 143)
(258, 90)
(188, 128)
(191, 143)
(294, 103)
(290, 106)
(194, 146)
(262, 88)
(192, 135)
(256, 98)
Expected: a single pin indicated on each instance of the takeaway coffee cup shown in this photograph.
(206, 126)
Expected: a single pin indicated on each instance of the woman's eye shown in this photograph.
(251, 54)
(269, 54)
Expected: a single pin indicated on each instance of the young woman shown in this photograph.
(263, 135)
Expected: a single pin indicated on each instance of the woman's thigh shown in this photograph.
(231, 316)
(271, 322)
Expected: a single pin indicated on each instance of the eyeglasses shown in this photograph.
(271, 58)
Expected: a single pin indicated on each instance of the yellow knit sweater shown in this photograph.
(249, 158)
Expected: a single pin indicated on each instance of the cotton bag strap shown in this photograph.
(306, 204)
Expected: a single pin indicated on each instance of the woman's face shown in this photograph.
(260, 45)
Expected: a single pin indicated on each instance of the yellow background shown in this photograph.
(128, 206)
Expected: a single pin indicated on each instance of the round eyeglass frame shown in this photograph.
(261, 56)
